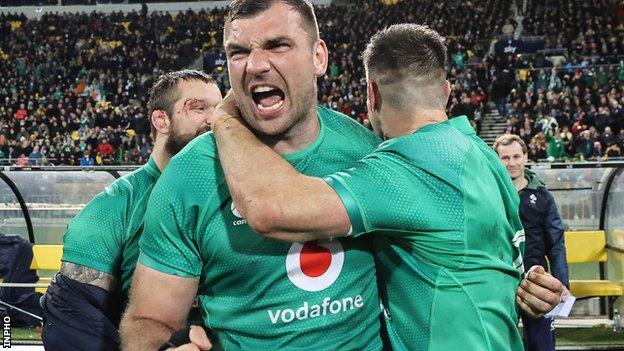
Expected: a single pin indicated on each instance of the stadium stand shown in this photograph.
(64, 101)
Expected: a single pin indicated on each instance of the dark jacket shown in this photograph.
(15, 257)
(77, 317)
(543, 229)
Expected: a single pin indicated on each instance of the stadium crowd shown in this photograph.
(73, 87)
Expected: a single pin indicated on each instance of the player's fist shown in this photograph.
(225, 110)
(539, 292)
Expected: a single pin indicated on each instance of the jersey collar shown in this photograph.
(151, 168)
(305, 152)
(462, 124)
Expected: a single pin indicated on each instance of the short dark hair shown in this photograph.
(164, 94)
(250, 8)
(508, 139)
(405, 50)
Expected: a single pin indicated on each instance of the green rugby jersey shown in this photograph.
(105, 234)
(444, 216)
(257, 293)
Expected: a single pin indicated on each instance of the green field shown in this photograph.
(25, 334)
(599, 335)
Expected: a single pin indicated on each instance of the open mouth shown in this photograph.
(267, 98)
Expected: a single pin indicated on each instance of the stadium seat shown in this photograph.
(46, 258)
(590, 247)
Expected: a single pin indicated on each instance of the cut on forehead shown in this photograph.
(240, 9)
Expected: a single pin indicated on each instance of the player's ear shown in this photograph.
(160, 120)
(374, 96)
(320, 58)
(447, 91)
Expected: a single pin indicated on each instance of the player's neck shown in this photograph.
(403, 123)
(520, 183)
(159, 155)
(298, 137)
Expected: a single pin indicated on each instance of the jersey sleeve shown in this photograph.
(94, 238)
(170, 242)
(380, 195)
(362, 194)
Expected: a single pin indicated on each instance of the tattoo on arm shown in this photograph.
(88, 275)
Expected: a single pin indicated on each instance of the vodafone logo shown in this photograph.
(315, 265)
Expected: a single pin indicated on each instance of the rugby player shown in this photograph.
(256, 293)
(83, 305)
(439, 205)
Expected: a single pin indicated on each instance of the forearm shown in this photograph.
(143, 334)
(275, 199)
(159, 304)
(238, 149)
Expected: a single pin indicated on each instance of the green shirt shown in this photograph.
(105, 234)
(256, 293)
(556, 148)
(444, 215)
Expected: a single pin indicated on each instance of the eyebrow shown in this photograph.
(235, 46)
(267, 43)
(205, 101)
(274, 41)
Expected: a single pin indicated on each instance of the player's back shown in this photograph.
(447, 255)
(258, 293)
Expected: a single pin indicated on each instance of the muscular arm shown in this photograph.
(275, 199)
(88, 275)
(159, 304)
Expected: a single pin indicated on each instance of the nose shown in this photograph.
(258, 62)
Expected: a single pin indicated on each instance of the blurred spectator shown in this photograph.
(613, 150)
(537, 147)
(105, 149)
(22, 161)
(86, 159)
(508, 29)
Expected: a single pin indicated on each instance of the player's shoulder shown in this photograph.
(438, 148)
(342, 126)
(200, 153)
(203, 146)
(137, 180)
(195, 166)
(433, 141)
